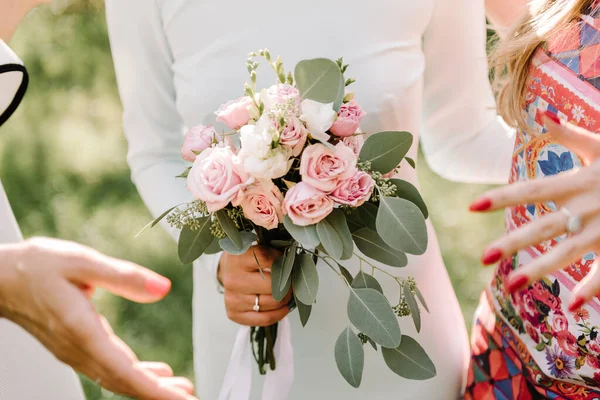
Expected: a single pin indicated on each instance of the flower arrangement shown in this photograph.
(296, 173)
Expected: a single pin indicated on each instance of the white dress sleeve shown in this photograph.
(462, 137)
(13, 82)
(152, 124)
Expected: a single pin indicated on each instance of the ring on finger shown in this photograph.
(256, 305)
(574, 222)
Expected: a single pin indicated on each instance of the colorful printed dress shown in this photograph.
(528, 345)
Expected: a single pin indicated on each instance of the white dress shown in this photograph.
(27, 370)
(420, 66)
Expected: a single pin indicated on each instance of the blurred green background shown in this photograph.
(62, 162)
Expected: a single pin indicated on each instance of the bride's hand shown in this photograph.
(45, 286)
(242, 281)
(577, 193)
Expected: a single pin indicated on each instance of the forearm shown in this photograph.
(502, 14)
(9, 261)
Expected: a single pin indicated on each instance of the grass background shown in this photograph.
(62, 162)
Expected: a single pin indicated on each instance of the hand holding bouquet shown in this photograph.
(296, 174)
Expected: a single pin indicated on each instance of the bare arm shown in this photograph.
(502, 14)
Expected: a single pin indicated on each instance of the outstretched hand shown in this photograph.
(45, 287)
(576, 193)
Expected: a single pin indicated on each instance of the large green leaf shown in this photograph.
(354, 221)
(385, 150)
(368, 215)
(371, 245)
(406, 190)
(156, 221)
(213, 247)
(321, 80)
(364, 281)
(372, 314)
(276, 272)
(415, 312)
(229, 228)
(305, 279)
(401, 225)
(421, 299)
(305, 235)
(337, 219)
(228, 246)
(304, 311)
(330, 239)
(347, 275)
(409, 360)
(192, 244)
(350, 357)
(289, 258)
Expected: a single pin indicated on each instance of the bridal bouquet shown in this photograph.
(296, 173)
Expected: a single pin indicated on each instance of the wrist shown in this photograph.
(10, 257)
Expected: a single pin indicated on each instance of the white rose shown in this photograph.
(275, 165)
(256, 139)
(318, 118)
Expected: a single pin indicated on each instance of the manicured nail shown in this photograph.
(552, 117)
(491, 256)
(481, 205)
(158, 286)
(516, 282)
(576, 303)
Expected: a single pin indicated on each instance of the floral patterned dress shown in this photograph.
(528, 345)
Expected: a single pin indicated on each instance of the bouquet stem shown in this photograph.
(263, 347)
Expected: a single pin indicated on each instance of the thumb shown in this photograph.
(584, 143)
(120, 277)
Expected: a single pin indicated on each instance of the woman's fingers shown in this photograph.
(240, 302)
(586, 144)
(587, 289)
(251, 283)
(568, 251)
(253, 318)
(177, 382)
(159, 369)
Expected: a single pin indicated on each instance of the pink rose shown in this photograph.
(527, 309)
(568, 343)
(532, 332)
(348, 119)
(262, 203)
(280, 94)
(354, 191)
(323, 167)
(235, 113)
(593, 362)
(559, 323)
(594, 347)
(217, 177)
(198, 139)
(306, 205)
(355, 142)
(294, 136)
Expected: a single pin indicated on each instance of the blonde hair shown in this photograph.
(511, 59)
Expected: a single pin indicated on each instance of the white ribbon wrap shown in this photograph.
(237, 382)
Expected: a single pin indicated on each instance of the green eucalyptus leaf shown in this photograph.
(304, 311)
(321, 80)
(372, 343)
(411, 162)
(192, 244)
(330, 239)
(372, 314)
(385, 150)
(401, 225)
(363, 281)
(421, 299)
(415, 312)
(406, 190)
(289, 258)
(305, 235)
(281, 244)
(305, 279)
(276, 272)
(368, 215)
(347, 275)
(409, 360)
(337, 219)
(156, 221)
(371, 245)
(350, 357)
(354, 221)
(213, 247)
(228, 246)
(229, 228)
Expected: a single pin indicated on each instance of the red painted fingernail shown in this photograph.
(576, 303)
(491, 256)
(516, 282)
(158, 286)
(481, 205)
(552, 117)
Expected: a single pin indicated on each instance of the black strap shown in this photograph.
(20, 92)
